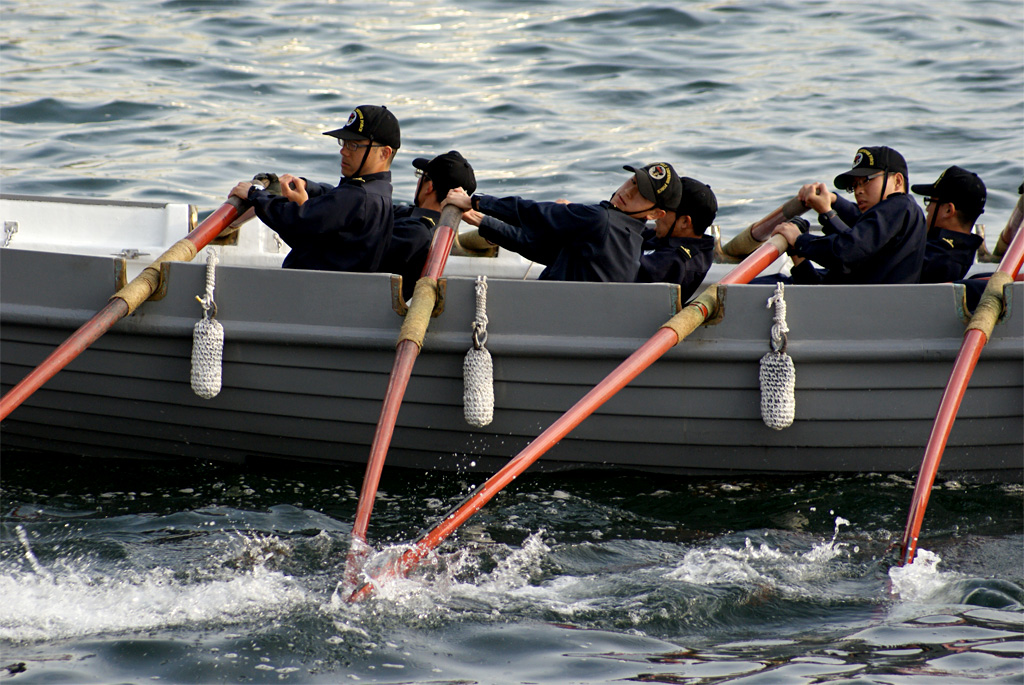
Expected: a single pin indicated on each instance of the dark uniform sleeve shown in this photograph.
(847, 212)
(520, 241)
(316, 189)
(345, 229)
(536, 230)
(321, 214)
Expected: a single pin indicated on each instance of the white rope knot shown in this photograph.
(211, 279)
(477, 367)
(779, 327)
(778, 374)
(480, 322)
(207, 339)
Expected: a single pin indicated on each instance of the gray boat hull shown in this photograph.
(307, 357)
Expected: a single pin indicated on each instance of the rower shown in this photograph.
(880, 239)
(954, 203)
(578, 242)
(415, 223)
(338, 228)
(676, 249)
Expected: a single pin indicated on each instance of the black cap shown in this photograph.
(659, 183)
(698, 202)
(869, 160)
(961, 187)
(370, 122)
(448, 171)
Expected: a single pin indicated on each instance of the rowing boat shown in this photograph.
(307, 355)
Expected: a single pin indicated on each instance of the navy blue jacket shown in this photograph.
(883, 245)
(676, 260)
(948, 255)
(342, 228)
(410, 243)
(576, 242)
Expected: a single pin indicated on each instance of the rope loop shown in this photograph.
(207, 301)
(480, 322)
(780, 328)
(479, 335)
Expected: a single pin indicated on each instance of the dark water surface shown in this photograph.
(128, 572)
(131, 572)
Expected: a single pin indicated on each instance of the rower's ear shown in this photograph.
(655, 214)
(683, 226)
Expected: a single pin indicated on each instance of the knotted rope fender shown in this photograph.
(778, 375)
(207, 340)
(477, 367)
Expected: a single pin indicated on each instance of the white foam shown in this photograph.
(920, 579)
(77, 597)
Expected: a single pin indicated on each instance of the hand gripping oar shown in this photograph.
(754, 235)
(121, 304)
(979, 329)
(668, 336)
(410, 339)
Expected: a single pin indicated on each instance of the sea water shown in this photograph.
(194, 573)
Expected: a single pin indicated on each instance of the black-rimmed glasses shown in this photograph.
(864, 180)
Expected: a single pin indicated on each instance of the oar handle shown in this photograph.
(121, 304)
(750, 238)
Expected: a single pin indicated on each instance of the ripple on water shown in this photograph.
(53, 110)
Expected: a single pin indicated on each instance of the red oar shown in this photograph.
(978, 332)
(669, 335)
(122, 303)
(410, 339)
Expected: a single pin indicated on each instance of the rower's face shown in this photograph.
(628, 198)
(867, 191)
(664, 225)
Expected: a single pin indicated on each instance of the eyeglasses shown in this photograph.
(931, 201)
(352, 145)
(852, 188)
(420, 173)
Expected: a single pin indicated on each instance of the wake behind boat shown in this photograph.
(307, 356)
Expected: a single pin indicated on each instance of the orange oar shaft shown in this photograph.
(115, 310)
(967, 358)
(405, 356)
(647, 354)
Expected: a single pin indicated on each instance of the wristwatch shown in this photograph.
(824, 218)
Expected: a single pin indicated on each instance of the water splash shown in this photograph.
(76, 597)
(761, 564)
(918, 580)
